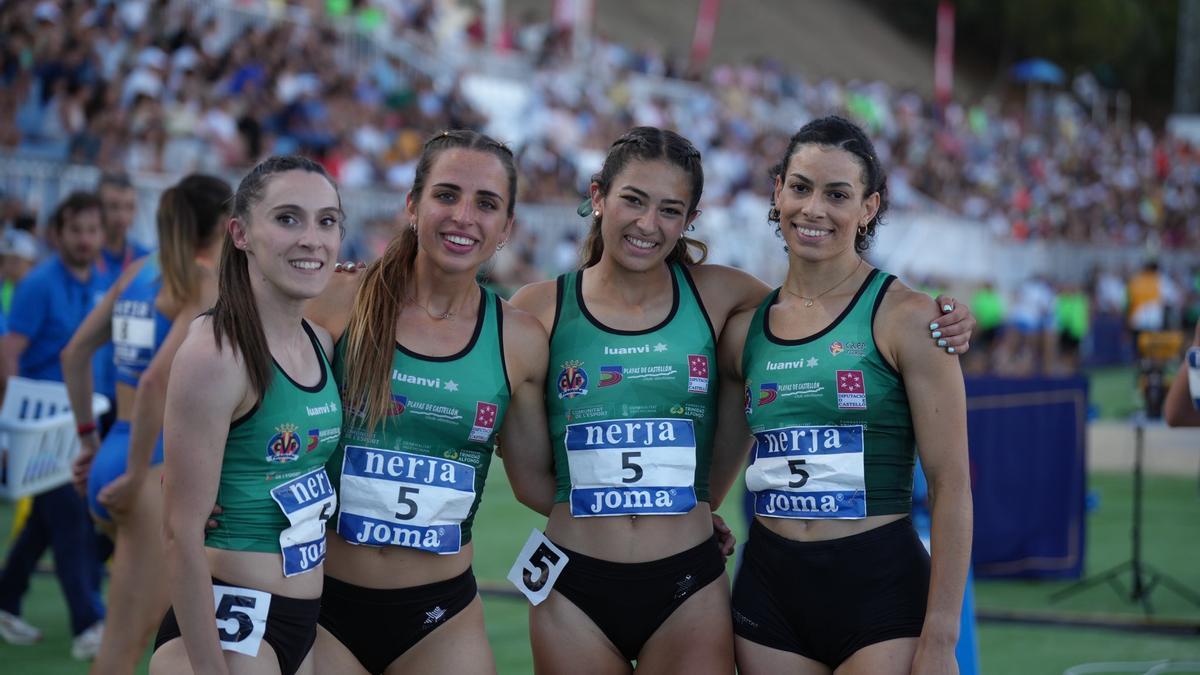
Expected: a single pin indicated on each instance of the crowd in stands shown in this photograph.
(151, 85)
(160, 86)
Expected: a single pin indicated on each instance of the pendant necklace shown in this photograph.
(809, 302)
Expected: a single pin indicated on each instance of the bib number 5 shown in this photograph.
(628, 465)
(241, 618)
(537, 567)
(405, 500)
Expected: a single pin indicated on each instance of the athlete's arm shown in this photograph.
(12, 346)
(207, 387)
(937, 401)
(76, 359)
(331, 309)
(731, 442)
(527, 457)
(150, 400)
(1178, 409)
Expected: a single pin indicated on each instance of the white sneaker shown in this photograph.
(86, 645)
(15, 631)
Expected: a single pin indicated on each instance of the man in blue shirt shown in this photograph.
(48, 305)
(118, 204)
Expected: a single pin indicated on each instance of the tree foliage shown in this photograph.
(1126, 44)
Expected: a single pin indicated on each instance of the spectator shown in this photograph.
(118, 201)
(1072, 320)
(1147, 309)
(989, 308)
(47, 307)
(19, 251)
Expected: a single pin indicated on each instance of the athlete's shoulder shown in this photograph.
(324, 338)
(525, 338)
(902, 301)
(202, 356)
(728, 287)
(901, 326)
(521, 321)
(539, 300)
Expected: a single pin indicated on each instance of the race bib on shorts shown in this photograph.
(808, 472)
(307, 501)
(1193, 367)
(537, 567)
(394, 498)
(632, 467)
(241, 618)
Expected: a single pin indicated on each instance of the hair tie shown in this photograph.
(585, 208)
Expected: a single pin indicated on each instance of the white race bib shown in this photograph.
(241, 618)
(808, 472)
(133, 332)
(394, 498)
(632, 467)
(537, 567)
(307, 501)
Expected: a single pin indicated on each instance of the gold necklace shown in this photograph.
(447, 315)
(808, 302)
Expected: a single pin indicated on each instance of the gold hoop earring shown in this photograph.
(412, 225)
(862, 230)
(773, 215)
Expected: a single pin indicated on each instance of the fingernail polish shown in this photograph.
(947, 308)
(951, 350)
(941, 343)
(933, 326)
(937, 334)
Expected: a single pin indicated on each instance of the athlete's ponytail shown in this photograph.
(188, 216)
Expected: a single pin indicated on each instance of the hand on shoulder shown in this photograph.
(902, 325)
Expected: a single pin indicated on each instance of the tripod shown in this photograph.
(1144, 576)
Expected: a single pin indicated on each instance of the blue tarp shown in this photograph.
(1028, 440)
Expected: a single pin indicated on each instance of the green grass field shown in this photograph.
(1172, 543)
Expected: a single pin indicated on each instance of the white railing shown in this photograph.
(914, 243)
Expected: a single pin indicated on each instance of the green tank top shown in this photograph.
(274, 491)
(631, 412)
(417, 478)
(832, 428)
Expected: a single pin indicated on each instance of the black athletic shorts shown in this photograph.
(379, 625)
(825, 600)
(629, 601)
(291, 627)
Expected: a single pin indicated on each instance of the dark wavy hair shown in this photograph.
(838, 132)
